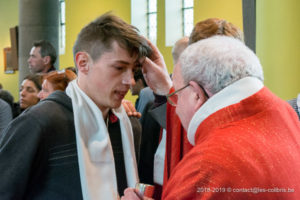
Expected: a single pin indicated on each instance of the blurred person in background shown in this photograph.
(6, 108)
(7, 96)
(42, 57)
(144, 93)
(55, 80)
(30, 87)
(5, 115)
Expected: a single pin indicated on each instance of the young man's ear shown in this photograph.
(82, 60)
(198, 94)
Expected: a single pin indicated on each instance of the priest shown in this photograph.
(245, 139)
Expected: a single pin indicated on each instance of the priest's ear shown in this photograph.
(199, 94)
(82, 60)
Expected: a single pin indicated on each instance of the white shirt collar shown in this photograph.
(230, 95)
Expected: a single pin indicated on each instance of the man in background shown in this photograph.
(42, 57)
(144, 93)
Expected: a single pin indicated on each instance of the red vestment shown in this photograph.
(177, 144)
(248, 150)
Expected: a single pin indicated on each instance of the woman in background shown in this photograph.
(55, 80)
(29, 90)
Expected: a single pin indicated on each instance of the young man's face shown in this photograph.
(108, 79)
(35, 60)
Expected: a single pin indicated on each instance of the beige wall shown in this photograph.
(80, 12)
(231, 10)
(9, 17)
(278, 45)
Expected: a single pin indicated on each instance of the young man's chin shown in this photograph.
(117, 104)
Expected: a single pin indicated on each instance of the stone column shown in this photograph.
(38, 20)
(249, 21)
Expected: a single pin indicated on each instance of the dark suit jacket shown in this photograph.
(149, 144)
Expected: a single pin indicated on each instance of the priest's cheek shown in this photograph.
(181, 112)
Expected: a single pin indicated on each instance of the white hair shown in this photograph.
(217, 62)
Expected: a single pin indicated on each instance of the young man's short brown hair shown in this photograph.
(98, 36)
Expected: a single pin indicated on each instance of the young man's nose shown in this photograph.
(128, 78)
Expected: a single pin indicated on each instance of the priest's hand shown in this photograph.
(132, 194)
(155, 72)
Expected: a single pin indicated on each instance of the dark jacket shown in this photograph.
(51, 69)
(38, 154)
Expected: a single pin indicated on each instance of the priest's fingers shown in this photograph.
(157, 77)
(155, 53)
(155, 71)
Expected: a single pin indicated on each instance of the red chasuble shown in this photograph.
(248, 150)
(177, 144)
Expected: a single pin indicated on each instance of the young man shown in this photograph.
(42, 57)
(245, 139)
(80, 144)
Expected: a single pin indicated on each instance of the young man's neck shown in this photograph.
(104, 113)
(103, 109)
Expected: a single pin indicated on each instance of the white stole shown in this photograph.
(95, 155)
(230, 95)
(159, 160)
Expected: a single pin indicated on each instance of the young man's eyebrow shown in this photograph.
(121, 62)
